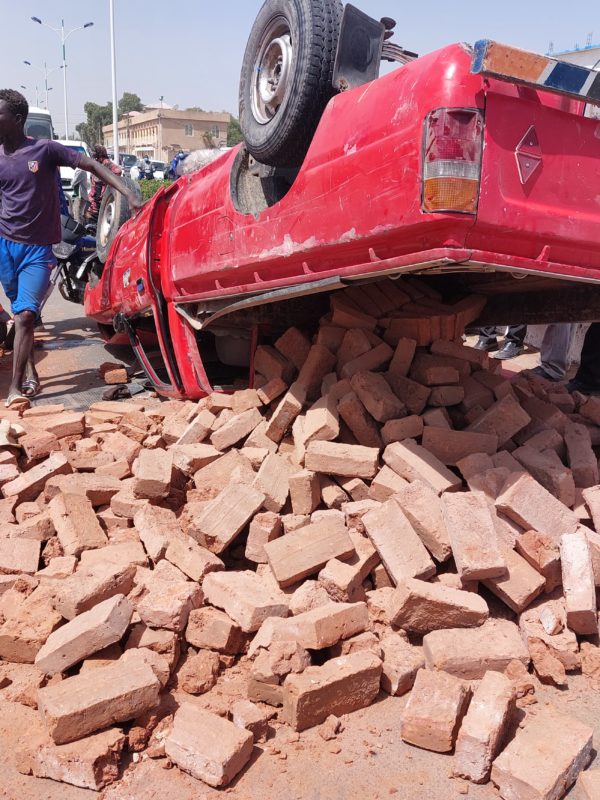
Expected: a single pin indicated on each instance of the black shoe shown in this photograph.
(486, 344)
(575, 385)
(509, 350)
(541, 373)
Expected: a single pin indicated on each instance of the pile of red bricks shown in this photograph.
(383, 512)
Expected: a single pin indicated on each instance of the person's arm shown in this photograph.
(108, 177)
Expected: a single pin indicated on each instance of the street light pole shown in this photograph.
(45, 71)
(115, 108)
(63, 38)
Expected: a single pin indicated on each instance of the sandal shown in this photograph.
(17, 398)
(30, 387)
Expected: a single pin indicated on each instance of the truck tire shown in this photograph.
(285, 82)
(114, 212)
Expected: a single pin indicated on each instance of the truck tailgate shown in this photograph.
(540, 184)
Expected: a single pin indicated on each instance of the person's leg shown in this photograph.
(588, 374)
(487, 338)
(554, 351)
(23, 352)
(513, 342)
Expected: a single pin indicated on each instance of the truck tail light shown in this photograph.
(452, 148)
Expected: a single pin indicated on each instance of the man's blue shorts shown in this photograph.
(25, 273)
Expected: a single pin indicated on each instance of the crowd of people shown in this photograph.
(30, 207)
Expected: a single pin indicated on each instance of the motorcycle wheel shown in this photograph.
(114, 212)
(286, 78)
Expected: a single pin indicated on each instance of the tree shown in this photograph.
(129, 102)
(234, 132)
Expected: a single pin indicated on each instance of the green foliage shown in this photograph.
(90, 131)
(234, 132)
(150, 188)
(129, 102)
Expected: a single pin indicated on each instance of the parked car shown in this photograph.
(39, 124)
(127, 161)
(67, 173)
(159, 170)
(472, 165)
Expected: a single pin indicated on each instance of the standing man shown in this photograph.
(30, 225)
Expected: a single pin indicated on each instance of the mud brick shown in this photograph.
(355, 511)
(469, 652)
(211, 629)
(294, 346)
(29, 484)
(562, 644)
(269, 693)
(356, 488)
(255, 455)
(580, 455)
(359, 421)
(544, 758)
(477, 358)
(396, 430)
(153, 476)
(593, 540)
(89, 462)
(250, 717)
(272, 364)
(403, 357)
(442, 396)
(413, 395)
(305, 492)
(214, 477)
(99, 489)
(43, 410)
(434, 711)
(168, 603)
(318, 363)
(286, 412)
(320, 627)
(343, 580)
(245, 597)
(476, 395)
(332, 494)
(474, 464)
(28, 627)
(451, 446)
(547, 468)
(371, 360)
(410, 325)
(431, 371)
(76, 524)
(547, 440)
(263, 528)
(504, 418)
(375, 394)
(484, 727)
(472, 536)
(236, 428)
(189, 458)
(413, 462)
(90, 763)
(272, 481)
(39, 444)
(401, 662)
(589, 408)
(423, 509)
(346, 315)
(578, 583)
(113, 373)
(192, 559)
(340, 686)
(526, 502)
(223, 518)
(198, 429)
(498, 385)
(19, 555)
(436, 418)
(333, 458)
(422, 607)
(117, 469)
(64, 424)
(87, 587)
(97, 698)
(321, 420)
(400, 548)
(121, 446)
(591, 497)
(91, 631)
(156, 527)
(520, 585)
(385, 484)
(304, 552)
(209, 748)
(588, 784)
(271, 390)
(546, 413)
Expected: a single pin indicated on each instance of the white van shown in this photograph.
(66, 173)
(39, 124)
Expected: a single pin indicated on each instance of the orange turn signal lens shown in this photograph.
(450, 194)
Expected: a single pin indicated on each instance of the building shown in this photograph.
(588, 56)
(160, 132)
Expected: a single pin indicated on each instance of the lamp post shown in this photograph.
(63, 38)
(45, 71)
(115, 107)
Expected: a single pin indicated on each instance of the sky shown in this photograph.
(190, 51)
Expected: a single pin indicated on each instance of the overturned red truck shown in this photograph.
(476, 168)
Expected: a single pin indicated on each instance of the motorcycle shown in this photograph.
(76, 258)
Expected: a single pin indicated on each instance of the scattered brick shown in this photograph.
(472, 536)
(153, 475)
(422, 607)
(413, 462)
(525, 501)
(75, 524)
(224, 517)
(578, 583)
(423, 509)
(451, 446)
(246, 598)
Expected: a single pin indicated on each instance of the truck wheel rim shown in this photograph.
(107, 221)
(272, 69)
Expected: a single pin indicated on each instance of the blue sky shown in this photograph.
(190, 51)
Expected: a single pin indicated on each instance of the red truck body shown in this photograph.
(356, 209)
